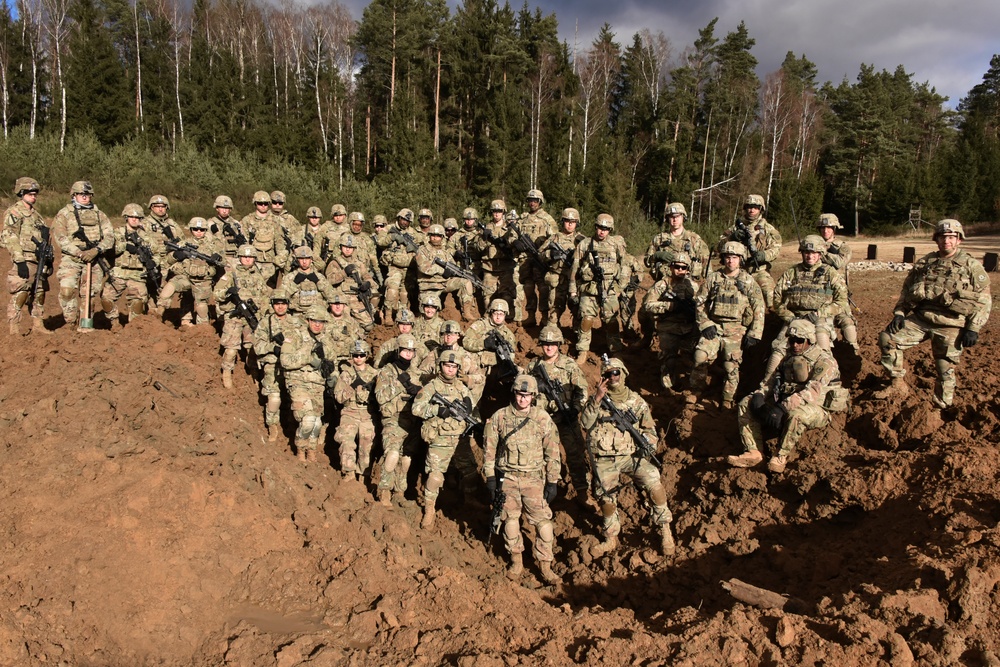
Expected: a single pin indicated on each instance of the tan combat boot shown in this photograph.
(428, 521)
(272, 432)
(548, 576)
(15, 327)
(746, 459)
(667, 545)
(227, 378)
(777, 464)
(896, 389)
(311, 455)
(300, 450)
(385, 497)
(581, 357)
(605, 547)
(516, 567)
(38, 326)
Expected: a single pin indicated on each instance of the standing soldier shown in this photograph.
(242, 284)
(672, 302)
(946, 297)
(351, 278)
(400, 249)
(365, 252)
(487, 335)
(427, 328)
(522, 460)
(313, 234)
(676, 239)
(267, 341)
(616, 452)
(223, 226)
(193, 274)
(396, 386)
(595, 283)
(25, 235)
(810, 290)
(450, 229)
(404, 325)
(762, 241)
(563, 395)
(132, 274)
(838, 255)
(424, 221)
(265, 235)
(338, 220)
(497, 257)
(469, 370)
(466, 243)
(800, 396)
(441, 429)
(307, 360)
(289, 228)
(730, 317)
(159, 222)
(559, 249)
(84, 235)
(304, 286)
(355, 388)
(538, 226)
(433, 279)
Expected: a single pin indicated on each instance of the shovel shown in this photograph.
(87, 317)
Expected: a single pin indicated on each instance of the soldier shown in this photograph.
(289, 228)
(538, 226)
(800, 396)
(559, 249)
(522, 460)
(313, 234)
(159, 222)
(424, 221)
(351, 277)
(485, 337)
(838, 255)
(469, 370)
(341, 329)
(597, 296)
(365, 252)
(675, 238)
(441, 429)
(946, 297)
(810, 290)
(566, 382)
(268, 339)
(24, 233)
(466, 244)
(398, 259)
(232, 232)
(84, 235)
(130, 275)
(497, 257)
(450, 229)
(244, 283)
(304, 286)
(432, 279)
(354, 389)
(427, 328)
(672, 301)
(762, 241)
(338, 220)
(730, 317)
(404, 325)
(192, 274)
(265, 235)
(615, 453)
(307, 360)
(395, 388)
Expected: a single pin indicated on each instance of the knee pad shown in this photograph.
(67, 293)
(700, 357)
(608, 509)
(391, 459)
(945, 369)
(435, 481)
(545, 531)
(511, 528)
(658, 495)
(273, 403)
(885, 341)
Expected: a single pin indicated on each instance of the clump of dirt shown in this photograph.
(147, 520)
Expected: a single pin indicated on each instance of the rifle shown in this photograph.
(145, 254)
(498, 242)
(190, 251)
(88, 244)
(505, 354)
(403, 239)
(44, 256)
(683, 306)
(326, 367)
(598, 270)
(237, 236)
(742, 235)
(244, 308)
(459, 410)
(629, 304)
(557, 253)
(364, 290)
(452, 269)
(463, 256)
(553, 390)
(624, 421)
(523, 244)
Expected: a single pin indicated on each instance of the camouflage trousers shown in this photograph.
(307, 408)
(201, 292)
(524, 493)
(677, 343)
(797, 422)
(533, 289)
(235, 333)
(609, 470)
(270, 389)
(359, 313)
(439, 456)
(824, 338)
(557, 288)
(355, 435)
(766, 283)
(590, 313)
(460, 287)
(135, 291)
(400, 443)
(500, 286)
(728, 344)
(575, 455)
(20, 289)
(71, 278)
(396, 297)
(946, 355)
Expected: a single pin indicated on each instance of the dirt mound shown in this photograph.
(147, 521)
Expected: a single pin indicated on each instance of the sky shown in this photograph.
(946, 44)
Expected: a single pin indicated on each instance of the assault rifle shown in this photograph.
(452, 269)
(326, 367)
(238, 236)
(496, 504)
(683, 306)
(460, 410)
(598, 270)
(553, 390)
(463, 256)
(404, 239)
(523, 244)
(88, 245)
(244, 308)
(364, 290)
(742, 234)
(145, 254)
(557, 253)
(44, 256)
(498, 242)
(190, 251)
(505, 354)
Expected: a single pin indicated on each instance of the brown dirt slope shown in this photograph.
(157, 526)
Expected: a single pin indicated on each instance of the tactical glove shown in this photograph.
(278, 338)
(88, 256)
(574, 298)
(665, 256)
(132, 248)
(443, 412)
(966, 338)
(358, 383)
(749, 342)
(22, 270)
(315, 362)
(216, 258)
(233, 292)
(326, 370)
(758, 257)
(897, 323)
(757, 403)
(775, 418)
(550, 492)
(491, 485)
(710, 333)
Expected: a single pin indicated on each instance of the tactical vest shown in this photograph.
(727, 300)
(809, 291)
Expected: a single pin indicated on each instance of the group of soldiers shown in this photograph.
(297, 301)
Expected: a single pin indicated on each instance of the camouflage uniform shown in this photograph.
(251, 286)
(428, 331)
(557, 278)
(22, 234)
(69, 225)
(354, 390)
(306, 288)
(267, 341)
(305, 359)
(431, 277)
(342, 330)
(667, 244)
(522, 449)
(398, 261)
(194, 275)
(838, 255)
(538, 227)
(469, 370)
(349, 276)
(614, 454)
(610, 254)
(128, 275)
(475, 337)
(164, 229)
(227, 230)
(395, 388)
(498, 266)
(466, 244)
(733, 307)
(387, 349)
(266, 237)
(946, 299)
(672, 302)
(765, 244)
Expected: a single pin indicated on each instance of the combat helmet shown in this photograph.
(132, 211)
(754, 200)
(405, 316)
(681, 257)
(158, 199)
(570, 214)
(246, 250)
(733, 248)
(450, 224)
(605, 220)
(82, 188)
(25, 184)
(302, 252)
(223, 201)
(198, 223)
(802, 328)
(535, 193)
(359, 347)
(425, 213)
(499, 304)
(405, 214)
(451, 327)
(812, 243)
(338, 209)
(261, 197)
(435, 230)
(406, 341)
(949, 226)
(829, 220)
(314, 212)
(470, 214)
(278, 196)
(550, 333)
(317, 313)
(431, 299)
(614, 363)
(498, 205)
(525, 384)
(674, 209)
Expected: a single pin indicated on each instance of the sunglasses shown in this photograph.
(796, 340)
(277, 202)
(607, 229)
(613, 373)
(359, 356)
(379, 226)
(679, 267)
(262, 203)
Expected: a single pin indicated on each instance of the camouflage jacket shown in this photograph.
(22, 232)
(610, 255)
(802, 290)
(567, 243)
(71, 223)
(531, 448)
(838, 255)
(198, 269)
(672, 300)
(264, 344)
(428, 411)
(128, 264)
(764, 237)
(391, 391)
(731, 300)
(305, 289)
(251, 285)
(566, 372)
(475, 339)
(687, 241)
(952, 291)
(604, 438)
(803, 379)
(351, 397)
(302, 355)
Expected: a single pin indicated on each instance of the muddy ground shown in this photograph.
(146, 521)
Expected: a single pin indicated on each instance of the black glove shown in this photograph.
(711, 333)
(358, 383)
(216, 258)
(278, 338)
(468, 404)
(350, 270)
(574, 298)
(412, 389)
(897, 323)
(214, 228)
(758, 257)
(491, 485)
(757, 403)
(232, 293)
(490, 343)
(749, 342)
(327, 367)
(22, 270)
(813, 317)
(775, 418)
(966, 338)
(443, 412)
(550, 492)
(666, 256)
(132, 248)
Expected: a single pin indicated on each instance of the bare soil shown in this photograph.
(145, 520)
